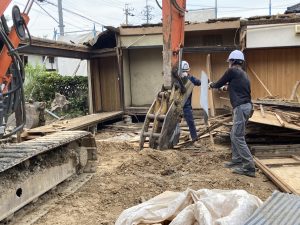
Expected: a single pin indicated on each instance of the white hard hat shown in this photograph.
(236, 54)
(185, 66)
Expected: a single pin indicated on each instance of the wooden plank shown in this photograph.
(213, 26)
(125, 31)
(267, 147)
(77, 123)
(277, 181)
(290, 175)
(278, 160)
(274, 102)
(270, 119)
(280, 120)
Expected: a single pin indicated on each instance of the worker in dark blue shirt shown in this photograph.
(187, 108)
(236, 81)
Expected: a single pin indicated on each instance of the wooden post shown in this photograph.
(210, 94)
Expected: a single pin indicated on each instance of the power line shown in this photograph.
(46, 12)
(75, 13)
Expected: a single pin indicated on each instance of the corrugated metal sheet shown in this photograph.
(279, 209)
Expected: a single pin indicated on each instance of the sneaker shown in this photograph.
(245, 172)
(232, 164)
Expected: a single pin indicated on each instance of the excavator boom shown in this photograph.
(173, 37)
(163, 115)
(31, 168)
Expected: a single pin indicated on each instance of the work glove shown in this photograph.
(210, 84)
(223, 88)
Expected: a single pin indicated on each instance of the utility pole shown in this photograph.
(270, 7)
(60, 18)
(216, 9)
(147, 12)
(94, 30)
(127, 12)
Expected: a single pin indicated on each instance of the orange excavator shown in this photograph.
(31, 168)
(163, 115)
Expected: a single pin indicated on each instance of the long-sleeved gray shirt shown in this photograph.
(238, 86)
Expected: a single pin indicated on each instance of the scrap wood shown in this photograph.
(262, 111)
(277, 103)
(188, 142)
(277, 181)
(279, 119)
(215, 125)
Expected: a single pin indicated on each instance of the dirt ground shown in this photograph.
(126, 177)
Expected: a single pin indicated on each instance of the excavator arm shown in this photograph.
(31, 168)
(11, 69)
(164, 113)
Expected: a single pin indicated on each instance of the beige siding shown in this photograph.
(274, 35)
(146, 75)
(141, 40)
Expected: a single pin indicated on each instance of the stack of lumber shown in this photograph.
(277, 113)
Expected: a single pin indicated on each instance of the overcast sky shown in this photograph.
(111, 12)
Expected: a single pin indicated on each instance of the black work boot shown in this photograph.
(246, 172)
(232, 164)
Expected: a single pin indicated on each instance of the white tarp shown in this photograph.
(202, 207)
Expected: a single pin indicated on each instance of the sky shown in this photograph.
(43, 18)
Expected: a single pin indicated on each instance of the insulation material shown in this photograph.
(202, 207)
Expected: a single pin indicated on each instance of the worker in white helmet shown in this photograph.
(187, 108)
(236, 81)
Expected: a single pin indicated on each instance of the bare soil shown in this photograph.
(126, 177)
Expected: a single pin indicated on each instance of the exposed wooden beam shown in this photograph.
(209, 49)
(57, 52)
(219, 25)
(213, 26)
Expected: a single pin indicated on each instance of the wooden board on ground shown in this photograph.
(271, 119)
(283, 170)
(77, 123)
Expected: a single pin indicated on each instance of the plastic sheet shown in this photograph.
(202, 207)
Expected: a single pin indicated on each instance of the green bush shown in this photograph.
(41, 85)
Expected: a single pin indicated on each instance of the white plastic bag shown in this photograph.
(202, 207)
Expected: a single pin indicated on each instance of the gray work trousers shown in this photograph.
(240, 150)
